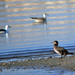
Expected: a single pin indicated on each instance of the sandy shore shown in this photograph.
(66, 62)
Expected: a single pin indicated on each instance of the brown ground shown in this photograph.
(66, 62)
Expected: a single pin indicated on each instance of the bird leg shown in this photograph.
(61, 57)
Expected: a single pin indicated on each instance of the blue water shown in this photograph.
(29, 39)
(36, 72)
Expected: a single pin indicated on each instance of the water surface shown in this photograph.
(36, 71)
(28, 39)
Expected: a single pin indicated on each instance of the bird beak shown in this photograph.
(53, 42)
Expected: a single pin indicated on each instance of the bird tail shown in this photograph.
(33, 17)
(71, 53)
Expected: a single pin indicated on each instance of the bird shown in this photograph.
(60, 50)
(5, 30)
(40, 19)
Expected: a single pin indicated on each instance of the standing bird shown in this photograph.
(60, 50)
(40, 19)
(5, 30)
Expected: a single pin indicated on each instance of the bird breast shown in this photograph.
(57, 51)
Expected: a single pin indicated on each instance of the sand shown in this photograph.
(66, 62)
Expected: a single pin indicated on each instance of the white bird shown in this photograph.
(5, 30)
(40, 19)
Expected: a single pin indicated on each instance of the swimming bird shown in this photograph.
(5, 30)
(40, 19)
(60, 50)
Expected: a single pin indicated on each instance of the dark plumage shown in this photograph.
(5, 30)
(60, 50)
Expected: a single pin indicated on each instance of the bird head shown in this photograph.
(55, 42)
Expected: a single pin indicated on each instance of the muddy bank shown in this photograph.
(67, 63)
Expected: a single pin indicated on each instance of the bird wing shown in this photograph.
(2, 30)
(36, 18)
(61, 49)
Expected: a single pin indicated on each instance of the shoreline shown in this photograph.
(66, 63)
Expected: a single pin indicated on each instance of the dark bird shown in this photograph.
(40, 19)
(60, 50)
(5, 30)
